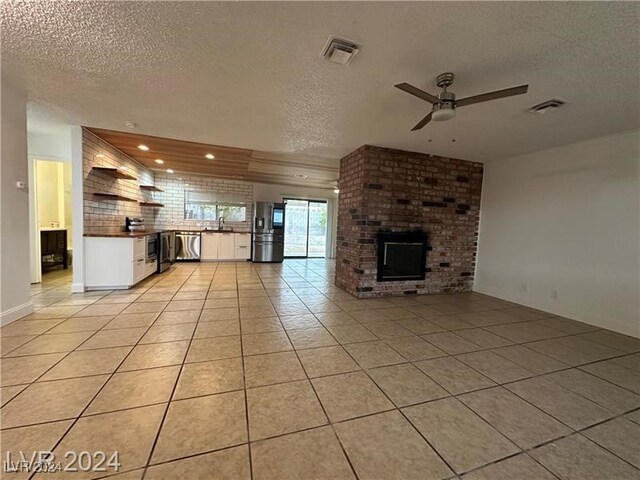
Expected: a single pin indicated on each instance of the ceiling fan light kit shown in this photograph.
(445, 104)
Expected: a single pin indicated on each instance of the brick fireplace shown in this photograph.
(392, 191)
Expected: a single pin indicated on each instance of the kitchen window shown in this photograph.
(210, 206)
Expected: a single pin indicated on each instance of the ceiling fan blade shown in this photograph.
(422, 122)
(485, 97)
(417, 92)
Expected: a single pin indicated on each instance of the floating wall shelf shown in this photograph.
(150, 188)
(115, 173)
(151, 204)
(113, 196)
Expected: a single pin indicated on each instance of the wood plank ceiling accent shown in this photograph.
(229, 162)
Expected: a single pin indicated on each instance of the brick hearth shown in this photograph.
(382, 189)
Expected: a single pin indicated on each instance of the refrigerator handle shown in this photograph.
(270, 219)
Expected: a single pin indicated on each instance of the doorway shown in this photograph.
(305, 228)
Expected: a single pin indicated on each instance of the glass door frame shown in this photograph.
(284, 200)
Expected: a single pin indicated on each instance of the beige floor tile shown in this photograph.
(130, 432)
(218, 328)
(614, 373)
(205, 349)
(451, 343)
(9, 344)
(451, 322)
(558, 351)
(334, 319)
(168, 333)
(497, 368)
(310, 455)
(223, 294)
(272, 368)
(351, 333)
(283, 408)
(50, 401)
(453, 375)
(529, 359)
(198, 425)
(229, 464)
(565, 325)
(265, 343)
(256, 311)
(373, 354)
(522, 423)
(576, 458)
(206, 378)
(62, 342)
(293, 322)
(135, 389)
(113, 338)
(20, 370)
(631, 362)
(619, 436)
(561, 403)
(98, 310)
(88, 362)
(156, 355)
(174, 317)
(28, 327)
(618, 341)
(406, 385)
(603, 393)
(463, 439)
(597, 350)
(388, 329)
(519, 467)
(414, 348)
(327, 361)
(145, 307)
(387, 446)
(228, 304)
(420, 326)
(524, 332)
(260, 325)
(61, 312)
(483, 338)
(28, 440)
(350, 395)
(311, 338)
(131, 320)
(185, 305)
(81, 324)
(7, 393)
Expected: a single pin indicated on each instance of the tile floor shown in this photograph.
(235, 370)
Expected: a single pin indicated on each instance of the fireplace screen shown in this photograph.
(402, 256)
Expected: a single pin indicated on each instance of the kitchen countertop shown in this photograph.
(151, 232)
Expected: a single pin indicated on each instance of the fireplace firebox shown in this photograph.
(402, 256)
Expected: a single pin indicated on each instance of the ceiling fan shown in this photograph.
(445, 104)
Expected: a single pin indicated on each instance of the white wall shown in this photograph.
(14, 206)
(560, 231)
(55, 144)
(263, 192)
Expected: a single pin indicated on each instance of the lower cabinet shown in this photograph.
(116, 263)
(225, 246)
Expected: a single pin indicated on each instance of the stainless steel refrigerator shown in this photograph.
(268, 232)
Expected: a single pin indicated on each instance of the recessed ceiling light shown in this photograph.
(336, 191)
(123, 168)
(100, 155)
(169, 170)
(159, 161)
(300, 175)
(144, 148)
(210, 156)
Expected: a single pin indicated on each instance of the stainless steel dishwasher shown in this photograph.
(187, 246)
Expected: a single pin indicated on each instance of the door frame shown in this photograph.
(308, 200)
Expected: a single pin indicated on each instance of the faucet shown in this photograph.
(220, 223)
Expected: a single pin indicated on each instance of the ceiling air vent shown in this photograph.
(549, 104)
(339, 50)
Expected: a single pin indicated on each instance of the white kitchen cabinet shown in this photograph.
(226, 247)
(116, 262)
(242, 246)
(209, 246)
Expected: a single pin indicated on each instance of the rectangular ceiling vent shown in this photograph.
(339, 50)
(549, 104)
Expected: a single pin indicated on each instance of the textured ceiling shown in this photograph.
(249, 75)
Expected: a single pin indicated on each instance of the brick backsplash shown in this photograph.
(383, 189)
(109, 215)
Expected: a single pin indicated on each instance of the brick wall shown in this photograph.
(174, 187)
(109, 215)
(383, 189)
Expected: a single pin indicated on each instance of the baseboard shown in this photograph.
(16, 313)
(77, 288)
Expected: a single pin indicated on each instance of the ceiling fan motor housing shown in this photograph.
(444, 110)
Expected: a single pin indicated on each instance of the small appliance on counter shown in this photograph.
(268, 232)
(187, 246)
(134, 224)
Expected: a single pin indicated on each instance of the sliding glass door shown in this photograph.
(305, 228)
